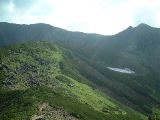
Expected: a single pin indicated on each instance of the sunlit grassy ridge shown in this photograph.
(87, 95)
(31, 73)
(30, 64)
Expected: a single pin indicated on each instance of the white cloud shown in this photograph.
(11, 7)
(96, 16)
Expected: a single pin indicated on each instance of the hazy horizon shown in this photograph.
(105, 17)
(77, 30)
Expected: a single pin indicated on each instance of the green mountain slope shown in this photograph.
(130, 47)
(86, 58)
(34, 85)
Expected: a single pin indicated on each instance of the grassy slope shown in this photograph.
(140, 92)
(30, 73)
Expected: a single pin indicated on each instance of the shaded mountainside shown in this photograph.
(73, 61)
(132, 47)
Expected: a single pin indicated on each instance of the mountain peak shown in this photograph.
(143, 25)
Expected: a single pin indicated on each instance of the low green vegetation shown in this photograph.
(87, 95)
(32, 73)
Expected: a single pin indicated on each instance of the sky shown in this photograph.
(92, 16)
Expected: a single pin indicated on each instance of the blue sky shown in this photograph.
(91, 16)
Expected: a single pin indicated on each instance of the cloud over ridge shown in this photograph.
(93, 16)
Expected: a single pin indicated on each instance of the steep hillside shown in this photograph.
(34, 85)
(135, 47)
(124, 66)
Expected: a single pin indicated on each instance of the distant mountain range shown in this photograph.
(125, 67)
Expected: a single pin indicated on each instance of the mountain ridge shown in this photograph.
(87, 57)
